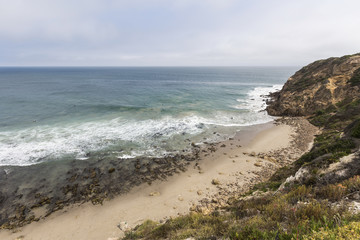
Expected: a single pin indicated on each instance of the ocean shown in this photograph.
(56, 113)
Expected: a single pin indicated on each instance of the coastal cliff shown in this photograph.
(327, 93)
(317, 86)
(316, 196)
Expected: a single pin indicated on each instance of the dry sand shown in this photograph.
(234, 166)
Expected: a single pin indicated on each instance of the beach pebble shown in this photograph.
(152, 194)
(123, 226)
(215, 181)
(180, 198)
(272, 160)
(199, 192)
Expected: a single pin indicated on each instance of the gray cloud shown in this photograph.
(177, 32)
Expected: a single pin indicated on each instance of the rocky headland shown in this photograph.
(327, 93)
(314, 196)
(318, 86)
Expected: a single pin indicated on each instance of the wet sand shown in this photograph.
(222, 171)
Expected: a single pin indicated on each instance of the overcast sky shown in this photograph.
(176, 32)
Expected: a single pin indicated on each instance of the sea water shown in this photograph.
(49, 114)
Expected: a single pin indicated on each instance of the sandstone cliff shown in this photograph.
(317, 86)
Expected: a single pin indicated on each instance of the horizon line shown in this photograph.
(110, 66)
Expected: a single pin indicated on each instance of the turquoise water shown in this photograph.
(47, 114)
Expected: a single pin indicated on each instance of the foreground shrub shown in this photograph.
(356, 130)
(332, 192)
(347, 232)
(192, 225)
(300, 193)
(352, 184)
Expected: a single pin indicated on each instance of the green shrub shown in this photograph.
(141, 230)
(250, 232)
(332, 192)
(355, 132)
(247, 208)
(320, 119)
(298, 194)
(279, 210)
(355, 79)
(338, 148)
(352, 184)
(350, 231)
(266, 186)
(314, 210)
(192, 225)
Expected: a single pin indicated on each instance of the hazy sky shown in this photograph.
(176, 32)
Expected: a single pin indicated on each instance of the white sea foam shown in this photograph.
(37, 144)
(257, 97)
(127, 156)
(255, 103)
(30, 146)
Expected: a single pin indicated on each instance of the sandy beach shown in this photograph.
(225, 170)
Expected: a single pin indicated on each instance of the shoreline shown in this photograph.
(226, 169)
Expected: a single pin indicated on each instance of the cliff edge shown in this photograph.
(317, 86)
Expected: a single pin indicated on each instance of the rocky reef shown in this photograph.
(30, 193)
(317, 86)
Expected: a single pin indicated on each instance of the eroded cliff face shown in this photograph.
(317, 86)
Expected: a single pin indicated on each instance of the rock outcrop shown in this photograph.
(327, 92)
(318, 86)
